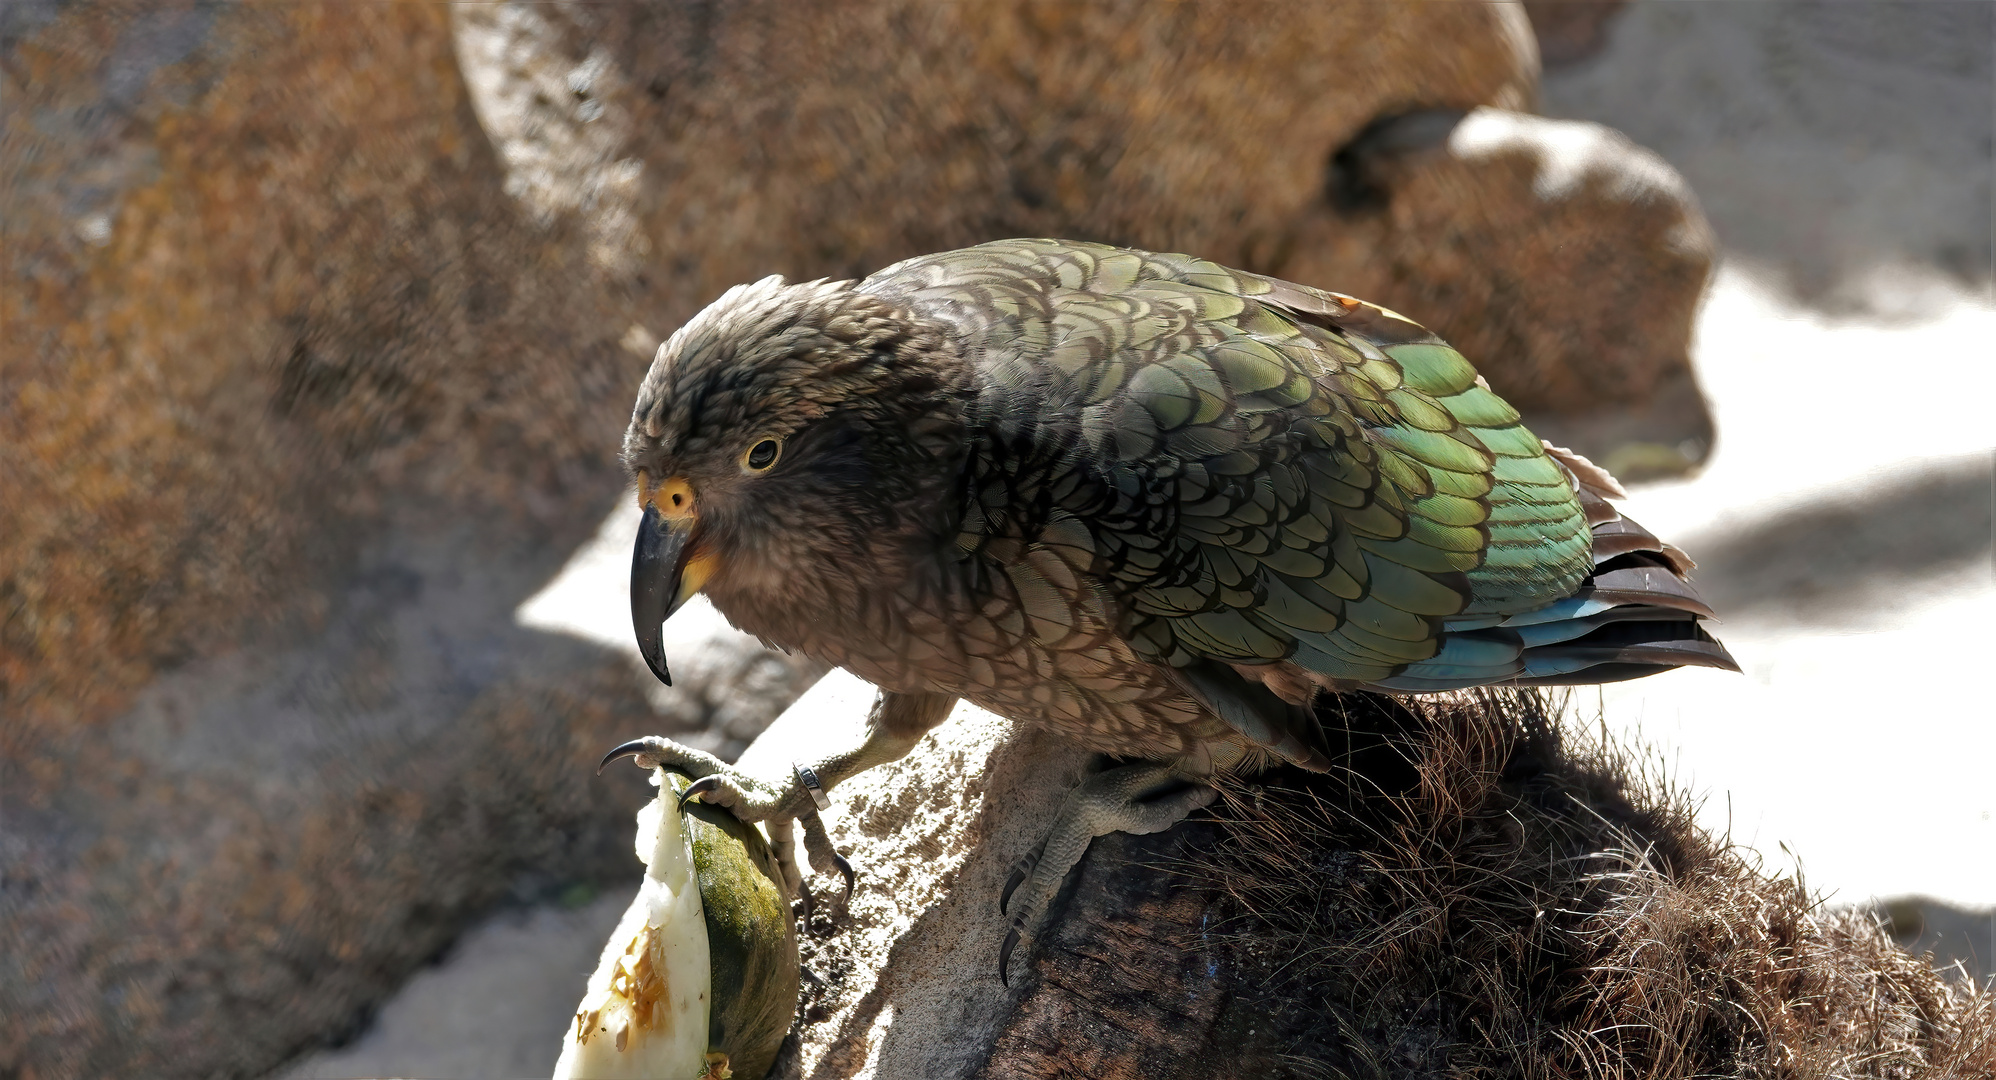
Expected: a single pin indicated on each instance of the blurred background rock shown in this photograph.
(321, 323)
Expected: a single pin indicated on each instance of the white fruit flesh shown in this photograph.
(646, 1010)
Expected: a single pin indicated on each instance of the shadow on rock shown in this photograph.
(1841, 559)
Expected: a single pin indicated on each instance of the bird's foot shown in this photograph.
(1133, 799)
(751, 799)
(716, 782)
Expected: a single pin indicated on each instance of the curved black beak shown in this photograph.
(658, 570)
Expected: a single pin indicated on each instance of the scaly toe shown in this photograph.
(1022, 871)
(1144, 798)
(825, 856)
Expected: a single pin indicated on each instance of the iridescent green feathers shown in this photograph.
(1147, 500)
(1257, 472)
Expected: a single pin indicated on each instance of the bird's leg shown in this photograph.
(896, 723)
(783, 845)
(824, 857)
(1137, 799)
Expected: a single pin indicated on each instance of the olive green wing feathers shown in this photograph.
(1315, 479)
(1257, 472)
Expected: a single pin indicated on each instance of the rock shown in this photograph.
(1565, 262)
(832, 141)
(1570, 31)
(1514, 903)
(262, 275)
(837, 140)
(907, 985)
(299, 407)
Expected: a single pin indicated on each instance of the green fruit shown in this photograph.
(708, 941)
(751, 940)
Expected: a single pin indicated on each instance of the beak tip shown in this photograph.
(656, 573)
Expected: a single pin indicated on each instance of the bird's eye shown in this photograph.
(762, 455)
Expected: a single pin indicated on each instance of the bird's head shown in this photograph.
(787, 436)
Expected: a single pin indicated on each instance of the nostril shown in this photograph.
(677, 498)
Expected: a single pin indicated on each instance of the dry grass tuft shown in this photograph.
(1500, 898)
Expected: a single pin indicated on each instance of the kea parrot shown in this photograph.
(1162, 507)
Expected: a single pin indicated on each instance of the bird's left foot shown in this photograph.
(1136, 799)
(716, 782)
(751, 800)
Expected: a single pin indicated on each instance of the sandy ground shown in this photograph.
(496, 1005)
(1843, 525)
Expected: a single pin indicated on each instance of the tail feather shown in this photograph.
(1657, 586)
(1637, 614)
(1622, 536)
(1543, 634)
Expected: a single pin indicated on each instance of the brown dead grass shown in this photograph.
(1531, 903)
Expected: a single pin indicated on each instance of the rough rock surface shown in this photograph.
(298, 407)
(1570, 31)
(261, 275)
(839, 138)
(907, 983)
(1521, 905)
(1566, 262)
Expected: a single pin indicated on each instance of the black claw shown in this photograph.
(1005, 898)
(698, 787)
(1005, 955)
(845, 868)
(629, 749)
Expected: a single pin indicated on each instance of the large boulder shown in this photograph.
(299, 406)
(1565, 261)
